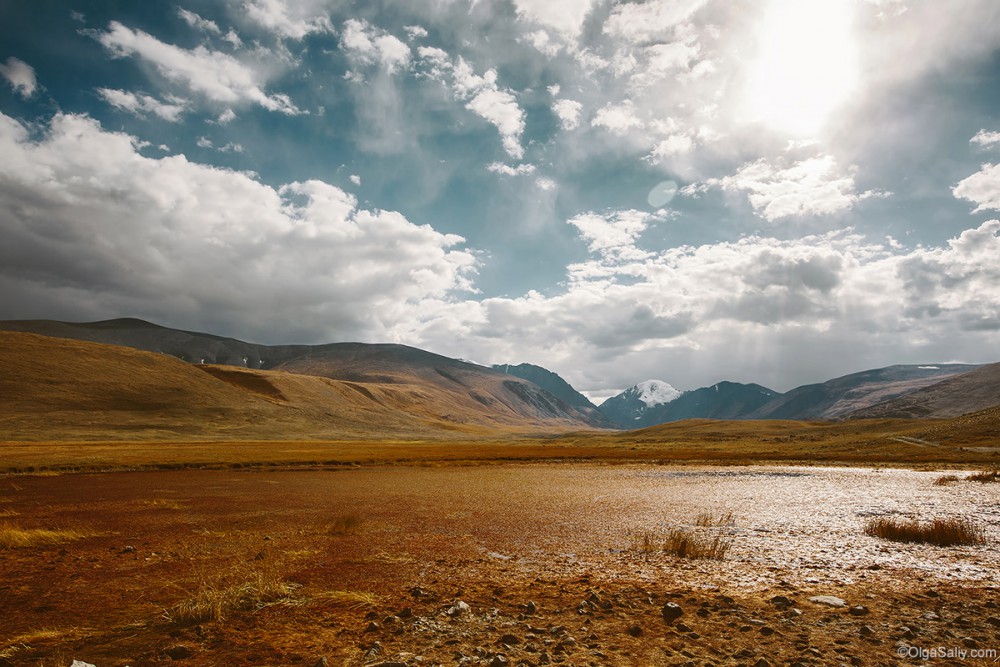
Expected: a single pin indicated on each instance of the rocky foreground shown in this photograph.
(582, 623)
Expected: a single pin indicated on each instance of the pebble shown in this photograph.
(828, 600)
(671, 612)
(179, 652)
(530, 608)
(635, 631)
(859, 610)
(459, 608)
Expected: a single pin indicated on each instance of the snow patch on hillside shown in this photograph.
(656, 392)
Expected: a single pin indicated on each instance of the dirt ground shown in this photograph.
(505, 564)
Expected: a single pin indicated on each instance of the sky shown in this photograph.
(773, 191)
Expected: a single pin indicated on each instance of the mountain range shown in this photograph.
(129, 374)
(348, 388)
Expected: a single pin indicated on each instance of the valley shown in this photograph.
(372, 505)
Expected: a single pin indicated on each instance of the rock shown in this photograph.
(828, 600)
(458, 609)
(635, 631)
(856, 661)
(544, 658)
(499, 660)
(671, 612)
(322, 662)
(530, 608)
(683, 627)
(510, 640)
(390, 663)
(931, 616)
(762, 663)
(866, 631)
(179, 652)
(859, 610)
(373, 627)
(994, 621)
(418, 592)
(405, 612)
(80, 663)
(127, 550)
(969, 642)
(781, 602)
(766, 631)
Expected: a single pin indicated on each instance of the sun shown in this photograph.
(806, 65)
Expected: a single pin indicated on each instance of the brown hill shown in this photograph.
(975, 390)
(59, 389)
(465, 393)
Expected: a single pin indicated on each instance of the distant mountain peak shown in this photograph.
(656, 392)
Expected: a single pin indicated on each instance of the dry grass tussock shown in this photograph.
(27, 640)
(215, 602)
(347, 599)
(945, 480)
(346, 524)
(942, 532)
(165, 503)
(704, 540)
(984, 477)
(687, 543)
(13, 536)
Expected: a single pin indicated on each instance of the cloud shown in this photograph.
(756, 309)
(609, 234)
(141, 104)
(617, 118)
(986, 139)
(643, 22)
(415, 31)
(816, 186)
(198, 22)
(982, 188)
(568, 113)
(482, 94)
(507, 170)
(216, 75)
(675, 144)
(290, 19)
(226, 117)
(566, 17)
(366, 45)
(109, 230)
(231, 147)
(20, 75)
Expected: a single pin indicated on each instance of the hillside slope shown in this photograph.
(838, 398)
(57, 389)
(975, 390)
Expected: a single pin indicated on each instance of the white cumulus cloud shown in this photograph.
(367, 45)
(292, 19)
(816, 186)
(111, 230)
(568, 112)
(982, 188)
(216, 75)
(140, 104)
(20, 75)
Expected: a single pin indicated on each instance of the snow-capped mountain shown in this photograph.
(655, 402)
(629, 407)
